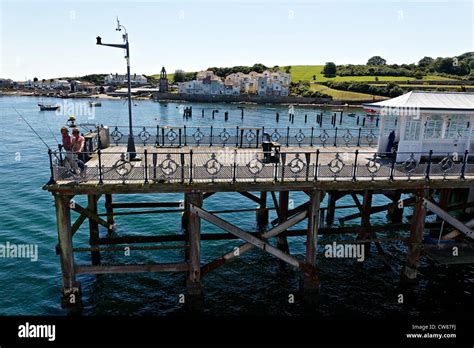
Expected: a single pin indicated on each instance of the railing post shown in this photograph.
(258, 135)
(392, 167)
(99, 153)
(358, 137)
(354, 173)
(157, 143)
(182, 167)
(463, 168)
(234, 171)
(60, 148)
(162, 137)
(335, 138)
(283, 162)
(287, 135)
(185, 135)
(190, 166)
(312, 134)
(51, 179)
(211, 136)
(146, 165)
(241, 137)
(237, 137)
(316, 166)
(428, 167)
(99, 145)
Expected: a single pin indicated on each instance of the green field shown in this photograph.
(170, 77)
(344, 95)
(306, 72)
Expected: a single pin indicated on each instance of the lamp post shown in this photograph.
(132, 155)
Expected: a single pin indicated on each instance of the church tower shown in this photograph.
(163, 81)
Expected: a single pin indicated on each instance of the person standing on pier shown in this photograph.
(78, 148)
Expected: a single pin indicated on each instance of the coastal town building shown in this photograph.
(268, 83)
(6, 83)
(163, 81)
(118, 79)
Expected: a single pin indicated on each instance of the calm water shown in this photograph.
(254, 284)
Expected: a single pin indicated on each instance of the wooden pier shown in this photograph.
(199, 173)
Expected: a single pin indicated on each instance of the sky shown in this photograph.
(48, 39)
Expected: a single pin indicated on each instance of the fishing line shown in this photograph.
(29, 125)
(47, 125)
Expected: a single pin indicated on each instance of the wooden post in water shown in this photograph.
(309, 279)
(193, 282)
(332, 199)
(365, 219)
(409, 271)
(262, 212)
(71, 288)
(395, 212)
(110, 210)
(93, 229)
(283, 198)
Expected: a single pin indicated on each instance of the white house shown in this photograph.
(424, 121)
(117, 79)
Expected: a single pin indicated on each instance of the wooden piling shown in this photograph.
(395, 211)
(262, 211)
(71, 288)
(309, 280)
(193, 283)
(110, 211)
(332, 199)
(283, 200)
(93, 229)
(409, 271)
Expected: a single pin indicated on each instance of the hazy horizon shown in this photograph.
(57, 39)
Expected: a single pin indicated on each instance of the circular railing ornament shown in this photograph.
(171, 135)
(250, 136)
(347, 137)
(255, 166)
(446, 164)
(300, 136)
(224, 136)
(116, 135)
(123, 167)
(410, 164)
(169, 166)
(324, 136)
(144, 135)
(370, 137)
(275, 136)
(336, 165)
(373, 165)
(213, 166)
(296, 165)
(198, 136)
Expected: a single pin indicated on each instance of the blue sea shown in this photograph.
(254, 284)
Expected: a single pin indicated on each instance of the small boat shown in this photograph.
(351, 114)
(91, 103)
(48, 107)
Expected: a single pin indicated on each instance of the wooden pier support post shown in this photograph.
(71, 288)
(332, 199)
(283, 200)
(110, 211)
(193, 281)
(93, 229)
(409, 271)
(365, 219)
(309, 279)
(395, 212)
(262, 212)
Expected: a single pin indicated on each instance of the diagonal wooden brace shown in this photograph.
(89, 214)
(251, 240)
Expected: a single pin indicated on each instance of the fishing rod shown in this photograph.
(29, 125)
(52, 133)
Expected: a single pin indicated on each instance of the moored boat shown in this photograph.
(48, 107)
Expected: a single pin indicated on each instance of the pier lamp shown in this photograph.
(131, 141)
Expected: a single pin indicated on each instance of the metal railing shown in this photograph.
(251, 165)
(244, 136)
